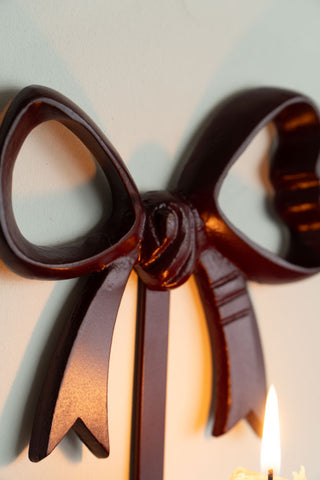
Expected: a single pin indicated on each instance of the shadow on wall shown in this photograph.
(16, 424)
(150, 166)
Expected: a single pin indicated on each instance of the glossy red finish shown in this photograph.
(294, 160)
(165, 237)
(76, 388)
(148, 428)
(114, 238)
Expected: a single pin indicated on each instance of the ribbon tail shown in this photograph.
(75, 391)
(239, 374)
(148, 432)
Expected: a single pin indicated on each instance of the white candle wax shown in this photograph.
(243, 474)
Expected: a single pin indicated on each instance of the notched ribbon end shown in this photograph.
(99, 449)
(41, 447)
(254, 418)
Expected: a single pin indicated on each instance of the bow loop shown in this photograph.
(223, 139)
(297, 183)
(117, 235)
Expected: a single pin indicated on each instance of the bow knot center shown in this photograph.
(168, 249)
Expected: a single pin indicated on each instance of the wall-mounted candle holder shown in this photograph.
(165, 237)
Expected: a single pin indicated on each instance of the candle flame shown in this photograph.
(270, 448)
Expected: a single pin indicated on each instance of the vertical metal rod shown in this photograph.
(149, 406)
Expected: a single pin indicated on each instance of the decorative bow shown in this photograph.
(165, 237)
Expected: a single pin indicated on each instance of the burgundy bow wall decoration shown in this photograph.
(165, 237)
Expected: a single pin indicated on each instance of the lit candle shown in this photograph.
(270, 448)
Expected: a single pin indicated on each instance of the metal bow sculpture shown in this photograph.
(165, 237)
